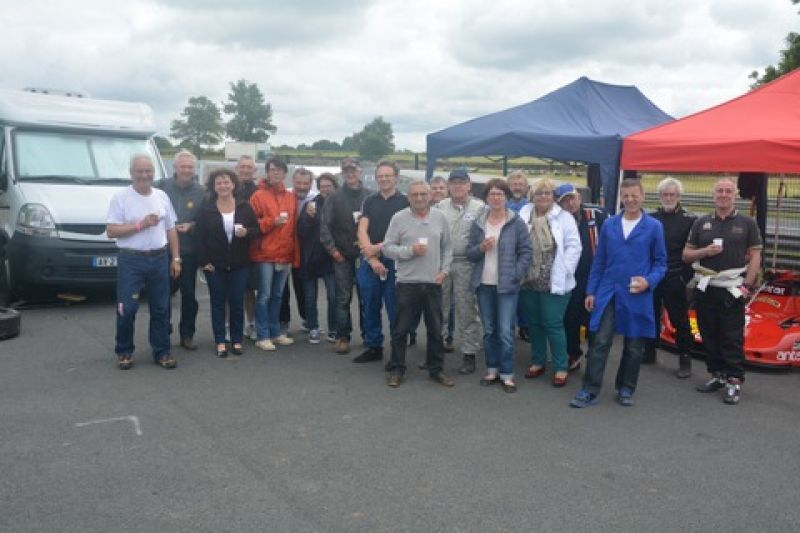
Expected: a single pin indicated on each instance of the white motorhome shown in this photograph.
(62, 157)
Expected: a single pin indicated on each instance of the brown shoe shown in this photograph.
(394, 380)
(188, 344)
(442, 379)
(342, 345)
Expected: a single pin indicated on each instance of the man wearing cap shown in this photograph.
(589, 219)
(376, 274)
(142, 220)
(724, 248)
(461, 210)
(338, 233)
(187, 196)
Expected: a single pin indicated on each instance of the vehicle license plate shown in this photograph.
(104, 261)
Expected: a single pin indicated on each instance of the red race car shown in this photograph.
(772, 323)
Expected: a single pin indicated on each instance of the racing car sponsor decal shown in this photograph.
(788, 355)
(771, 289)
(769, 301)
(693, 324)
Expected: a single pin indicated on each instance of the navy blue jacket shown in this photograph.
(514, 252)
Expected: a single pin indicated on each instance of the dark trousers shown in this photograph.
(134, 273)
(299, 296)
(575, 316)
(345, 278)
(227, 287)
(671, 293)
(310, 287)
(414, 299)
(632, 351)
(186, 284)
(720, 317)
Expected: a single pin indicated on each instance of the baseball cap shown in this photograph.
(564, 190)
(350, 162)
(458, 174)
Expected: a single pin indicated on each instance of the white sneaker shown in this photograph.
(266, 345)
(250, 333)
(283, 340)
(314, 336)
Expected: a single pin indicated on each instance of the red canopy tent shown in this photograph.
(756, 132)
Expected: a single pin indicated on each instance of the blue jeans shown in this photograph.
(310, 293)
(375, 292)
(135, 272)
(632, 351)
(498, 314)
(227, 287)
(268, 299)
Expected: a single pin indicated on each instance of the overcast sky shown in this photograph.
(329, 66)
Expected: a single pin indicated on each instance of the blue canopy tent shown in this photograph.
(582, 121)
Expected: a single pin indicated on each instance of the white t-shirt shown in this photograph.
(129, 207)
(227, 224)
(490, 259)
(628, 225)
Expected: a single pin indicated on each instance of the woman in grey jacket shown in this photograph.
(500, 247)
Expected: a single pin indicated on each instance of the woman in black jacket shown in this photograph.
(315, 262)
(225, 226)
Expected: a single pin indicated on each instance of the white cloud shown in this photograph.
(329, 67)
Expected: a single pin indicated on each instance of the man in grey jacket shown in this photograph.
(186, 196)
(418, 239)
(461, 211)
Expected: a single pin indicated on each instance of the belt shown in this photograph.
(148, 253)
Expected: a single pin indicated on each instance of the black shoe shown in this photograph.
(468, 367)
(370, 355)
(423, 365)
(448, 346)
(442, 379)
(733, 391)
(394, 380)
(412, 339)
(523, 334)
(712, 385)
(684, 366)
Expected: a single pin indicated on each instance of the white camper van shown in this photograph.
(62, 157)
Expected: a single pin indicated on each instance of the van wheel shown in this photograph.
(10, 321)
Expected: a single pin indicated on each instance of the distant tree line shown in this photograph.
(789, 60)
(200, 125)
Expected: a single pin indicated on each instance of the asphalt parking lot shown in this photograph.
(304, 440)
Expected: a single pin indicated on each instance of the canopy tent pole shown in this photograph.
(619, 186)
(776, 228)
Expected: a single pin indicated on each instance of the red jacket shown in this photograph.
(277, 244)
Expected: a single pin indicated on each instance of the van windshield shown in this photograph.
(77, 158)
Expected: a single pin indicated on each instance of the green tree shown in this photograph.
(200, 126)
(789, 60)
(162, 143)
(325, 144)
(374, 141)
(252, 117)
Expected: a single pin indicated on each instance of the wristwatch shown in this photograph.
(177, 260)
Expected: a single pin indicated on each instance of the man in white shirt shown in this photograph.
(142, 220)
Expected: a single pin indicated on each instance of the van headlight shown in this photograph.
(35, 219)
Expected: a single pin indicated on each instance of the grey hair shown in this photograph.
(187, 154)
(668, 183)
(302, 171)
(417, 182)
(246, 157)
(518, 173)
(138, 156)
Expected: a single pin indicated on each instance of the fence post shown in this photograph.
(505, 165)
(416, 161)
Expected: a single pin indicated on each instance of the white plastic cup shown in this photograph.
(284, 214)
(718, 242)
(422, 240)
(238, 227)
(632, 284)
(356, 216)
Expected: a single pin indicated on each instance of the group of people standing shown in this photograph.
(528, 256)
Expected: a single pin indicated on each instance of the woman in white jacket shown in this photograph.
(551, 276)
